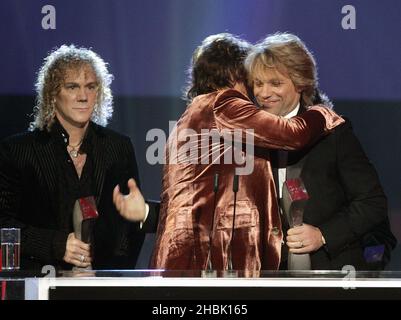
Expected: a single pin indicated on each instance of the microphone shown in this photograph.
(212, 230)
(230, 256)
(216, 183)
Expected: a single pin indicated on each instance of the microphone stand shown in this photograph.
(212, 230)
(230, 255)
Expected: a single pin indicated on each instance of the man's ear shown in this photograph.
(299, 89)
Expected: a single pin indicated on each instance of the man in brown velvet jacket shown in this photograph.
(195, 223)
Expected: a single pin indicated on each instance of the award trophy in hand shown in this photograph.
(295, 198)
(85, 215)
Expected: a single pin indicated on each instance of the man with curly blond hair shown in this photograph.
(68, 155)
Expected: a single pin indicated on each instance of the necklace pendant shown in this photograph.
(74, 153)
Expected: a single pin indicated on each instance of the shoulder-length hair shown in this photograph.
(217, 63)
(51, 77)
(288, 54)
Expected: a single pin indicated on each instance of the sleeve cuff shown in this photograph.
(59, 245)
(146, 216)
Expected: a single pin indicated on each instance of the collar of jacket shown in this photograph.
(58, 134)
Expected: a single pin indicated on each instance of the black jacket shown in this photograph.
(346, 203)
(29, 189)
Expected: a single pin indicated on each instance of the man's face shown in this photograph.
(77, 97)
(274, 91)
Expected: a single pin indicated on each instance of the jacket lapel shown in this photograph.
(44, 150)
(296, 159)
(45, 155)
(100, 162)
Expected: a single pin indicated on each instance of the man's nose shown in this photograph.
(266, 92)
(82, 94)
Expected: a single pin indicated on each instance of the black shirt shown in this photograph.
(71, 187)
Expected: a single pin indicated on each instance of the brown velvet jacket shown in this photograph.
(187, 215)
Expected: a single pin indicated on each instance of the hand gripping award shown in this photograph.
(295, 198)
(85, 215)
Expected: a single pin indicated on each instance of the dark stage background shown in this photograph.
(148, 45)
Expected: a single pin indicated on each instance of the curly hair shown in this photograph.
(51, 77)
(288, 54)
(217, 63)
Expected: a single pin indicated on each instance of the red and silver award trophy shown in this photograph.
(295, 198)
(84, 217)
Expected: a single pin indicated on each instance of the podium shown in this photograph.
(194, 285)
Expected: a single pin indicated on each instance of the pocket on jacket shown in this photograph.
(246, 216)
(179, 219)
(178, 239)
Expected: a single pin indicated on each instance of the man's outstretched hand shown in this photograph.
(131, 206)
